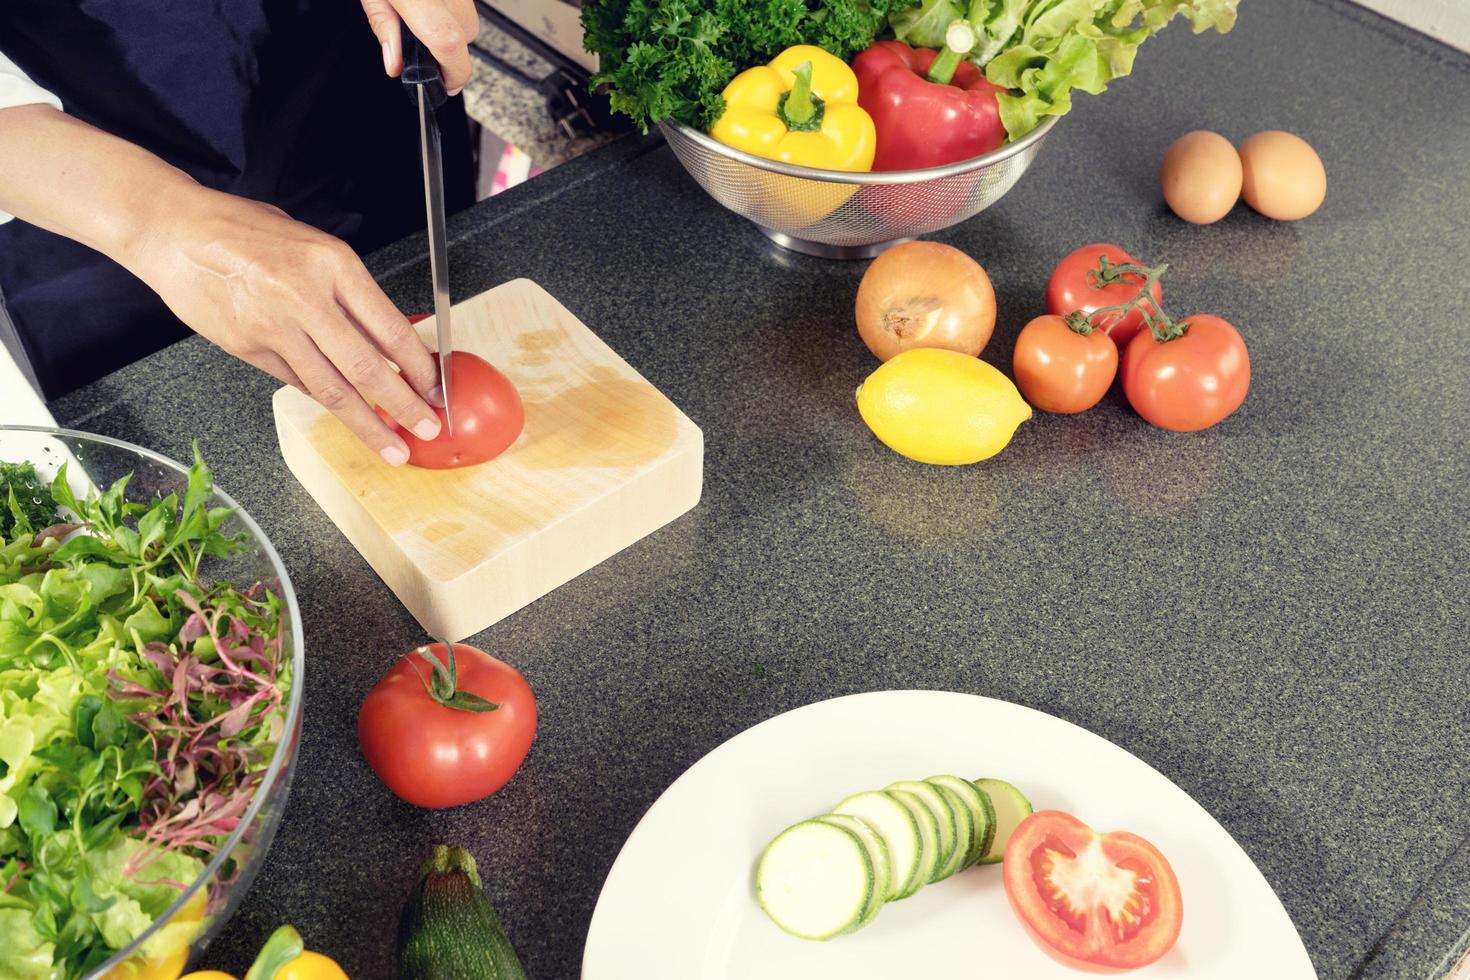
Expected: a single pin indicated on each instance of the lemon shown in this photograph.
(940, 406)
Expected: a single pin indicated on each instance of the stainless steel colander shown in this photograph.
(835, 214)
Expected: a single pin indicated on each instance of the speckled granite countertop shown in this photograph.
(1272, 613)
(513, 110)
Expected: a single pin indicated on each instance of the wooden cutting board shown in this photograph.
(604, 460)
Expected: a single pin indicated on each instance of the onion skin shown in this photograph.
(925, 294)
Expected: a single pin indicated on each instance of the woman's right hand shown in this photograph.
(445, 27)
(296, 303)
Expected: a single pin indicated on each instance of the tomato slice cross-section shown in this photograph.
(1100, 902)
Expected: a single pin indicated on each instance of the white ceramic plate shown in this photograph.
(679, 900)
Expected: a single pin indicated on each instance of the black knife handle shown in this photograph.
(420, 68)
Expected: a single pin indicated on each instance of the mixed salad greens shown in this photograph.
(671, 58)
(139, 708)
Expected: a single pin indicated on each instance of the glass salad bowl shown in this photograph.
(186, 914)
(839, 215)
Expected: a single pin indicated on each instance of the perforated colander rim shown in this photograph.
(712, 145)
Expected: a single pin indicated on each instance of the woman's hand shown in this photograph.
(446, 28)
(289, 299)
(296, 303)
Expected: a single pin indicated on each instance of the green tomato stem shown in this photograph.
(443, 683)
(1079, 322)
(1107, 274)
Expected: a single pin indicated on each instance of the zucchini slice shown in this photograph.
(982, 814)
(948, 839)
(816, 880)
(877, 854)
(1010, 809)
(900, 832)
(928, 838)
(964, 822)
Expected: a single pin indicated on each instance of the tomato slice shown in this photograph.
(1100, 902)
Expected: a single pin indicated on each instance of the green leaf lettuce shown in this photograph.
(1083, 44)
(23, 953)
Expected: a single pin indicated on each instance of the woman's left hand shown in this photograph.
(446, 28)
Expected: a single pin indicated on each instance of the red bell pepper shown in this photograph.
(929, 107)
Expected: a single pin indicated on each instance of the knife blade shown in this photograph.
(421, 73)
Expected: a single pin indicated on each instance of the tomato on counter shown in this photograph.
(1080, 283)
(447, 726)
(1063, 369)
(1098, 902)
(1190, 381)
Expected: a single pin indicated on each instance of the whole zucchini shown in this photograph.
(449, 931)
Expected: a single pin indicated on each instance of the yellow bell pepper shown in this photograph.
(283, 957)
(802, 109)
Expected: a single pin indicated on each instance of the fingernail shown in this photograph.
(387, 58)
(427, 430)
(453, 92)
(395, 455)
(436, 396)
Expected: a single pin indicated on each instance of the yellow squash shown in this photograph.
(801, 109)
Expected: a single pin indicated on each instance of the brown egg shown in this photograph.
(1284, 177)
(1201, 177)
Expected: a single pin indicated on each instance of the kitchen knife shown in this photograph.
(426, 88)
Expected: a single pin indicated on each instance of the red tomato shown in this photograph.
(488, 417)
(437, 756)
(1071, 289)
(1097, 902)
(1191, 382)
(1061, 370)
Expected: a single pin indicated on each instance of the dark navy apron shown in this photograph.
(282, 101)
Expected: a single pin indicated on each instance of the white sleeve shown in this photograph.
(17, 89)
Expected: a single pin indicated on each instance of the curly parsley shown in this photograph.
(665, 59)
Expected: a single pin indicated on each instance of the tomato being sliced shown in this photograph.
(488, 417)
(1099, 902)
